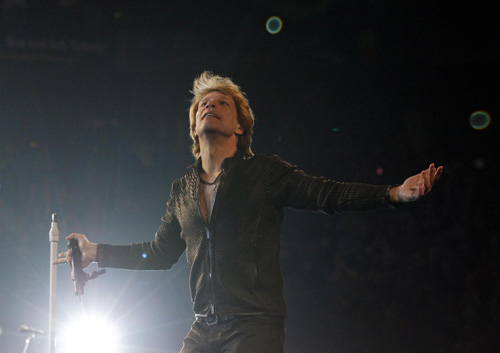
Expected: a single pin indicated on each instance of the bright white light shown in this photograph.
(89, 334)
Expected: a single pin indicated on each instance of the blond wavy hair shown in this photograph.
(208, 82)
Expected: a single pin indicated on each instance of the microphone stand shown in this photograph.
(79, 277)
(28, 340)
(31, 334)
(54, 240)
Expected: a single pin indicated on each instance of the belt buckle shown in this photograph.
(214, 322)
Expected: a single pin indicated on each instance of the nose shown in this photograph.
(211, 103)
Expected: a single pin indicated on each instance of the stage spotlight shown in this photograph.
(480, 120)
(274, 24)
(88, 334)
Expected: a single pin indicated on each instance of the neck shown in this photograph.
(213, 154)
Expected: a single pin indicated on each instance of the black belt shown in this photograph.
(213, 319)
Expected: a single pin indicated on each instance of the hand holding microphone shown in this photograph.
(80, 254)
(77, 275)
(88, 251)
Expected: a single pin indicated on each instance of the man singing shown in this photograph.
(226, 213)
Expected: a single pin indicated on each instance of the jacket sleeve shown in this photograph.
(159, 254)
(293, 188)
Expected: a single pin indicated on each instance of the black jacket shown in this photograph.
(234, 262)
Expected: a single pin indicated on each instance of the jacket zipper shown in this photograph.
(210, 271)
(209, 246)
(255, 266)
(210, 255)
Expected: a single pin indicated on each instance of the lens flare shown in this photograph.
(480, 120)
(274, 25)
(89, 334)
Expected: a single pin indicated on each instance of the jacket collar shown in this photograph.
(226, 164)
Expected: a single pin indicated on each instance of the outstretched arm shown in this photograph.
(416, 186)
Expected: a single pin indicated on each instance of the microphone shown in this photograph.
(77, 274)
(27, 329)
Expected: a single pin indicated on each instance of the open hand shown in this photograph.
(417, 185)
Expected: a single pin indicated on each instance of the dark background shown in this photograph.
(94, 126)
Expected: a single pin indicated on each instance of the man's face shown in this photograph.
(217, 114)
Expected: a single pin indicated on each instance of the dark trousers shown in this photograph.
(243, 334)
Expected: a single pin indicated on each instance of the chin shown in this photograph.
(210, 130)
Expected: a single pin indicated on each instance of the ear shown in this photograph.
(239, 131)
